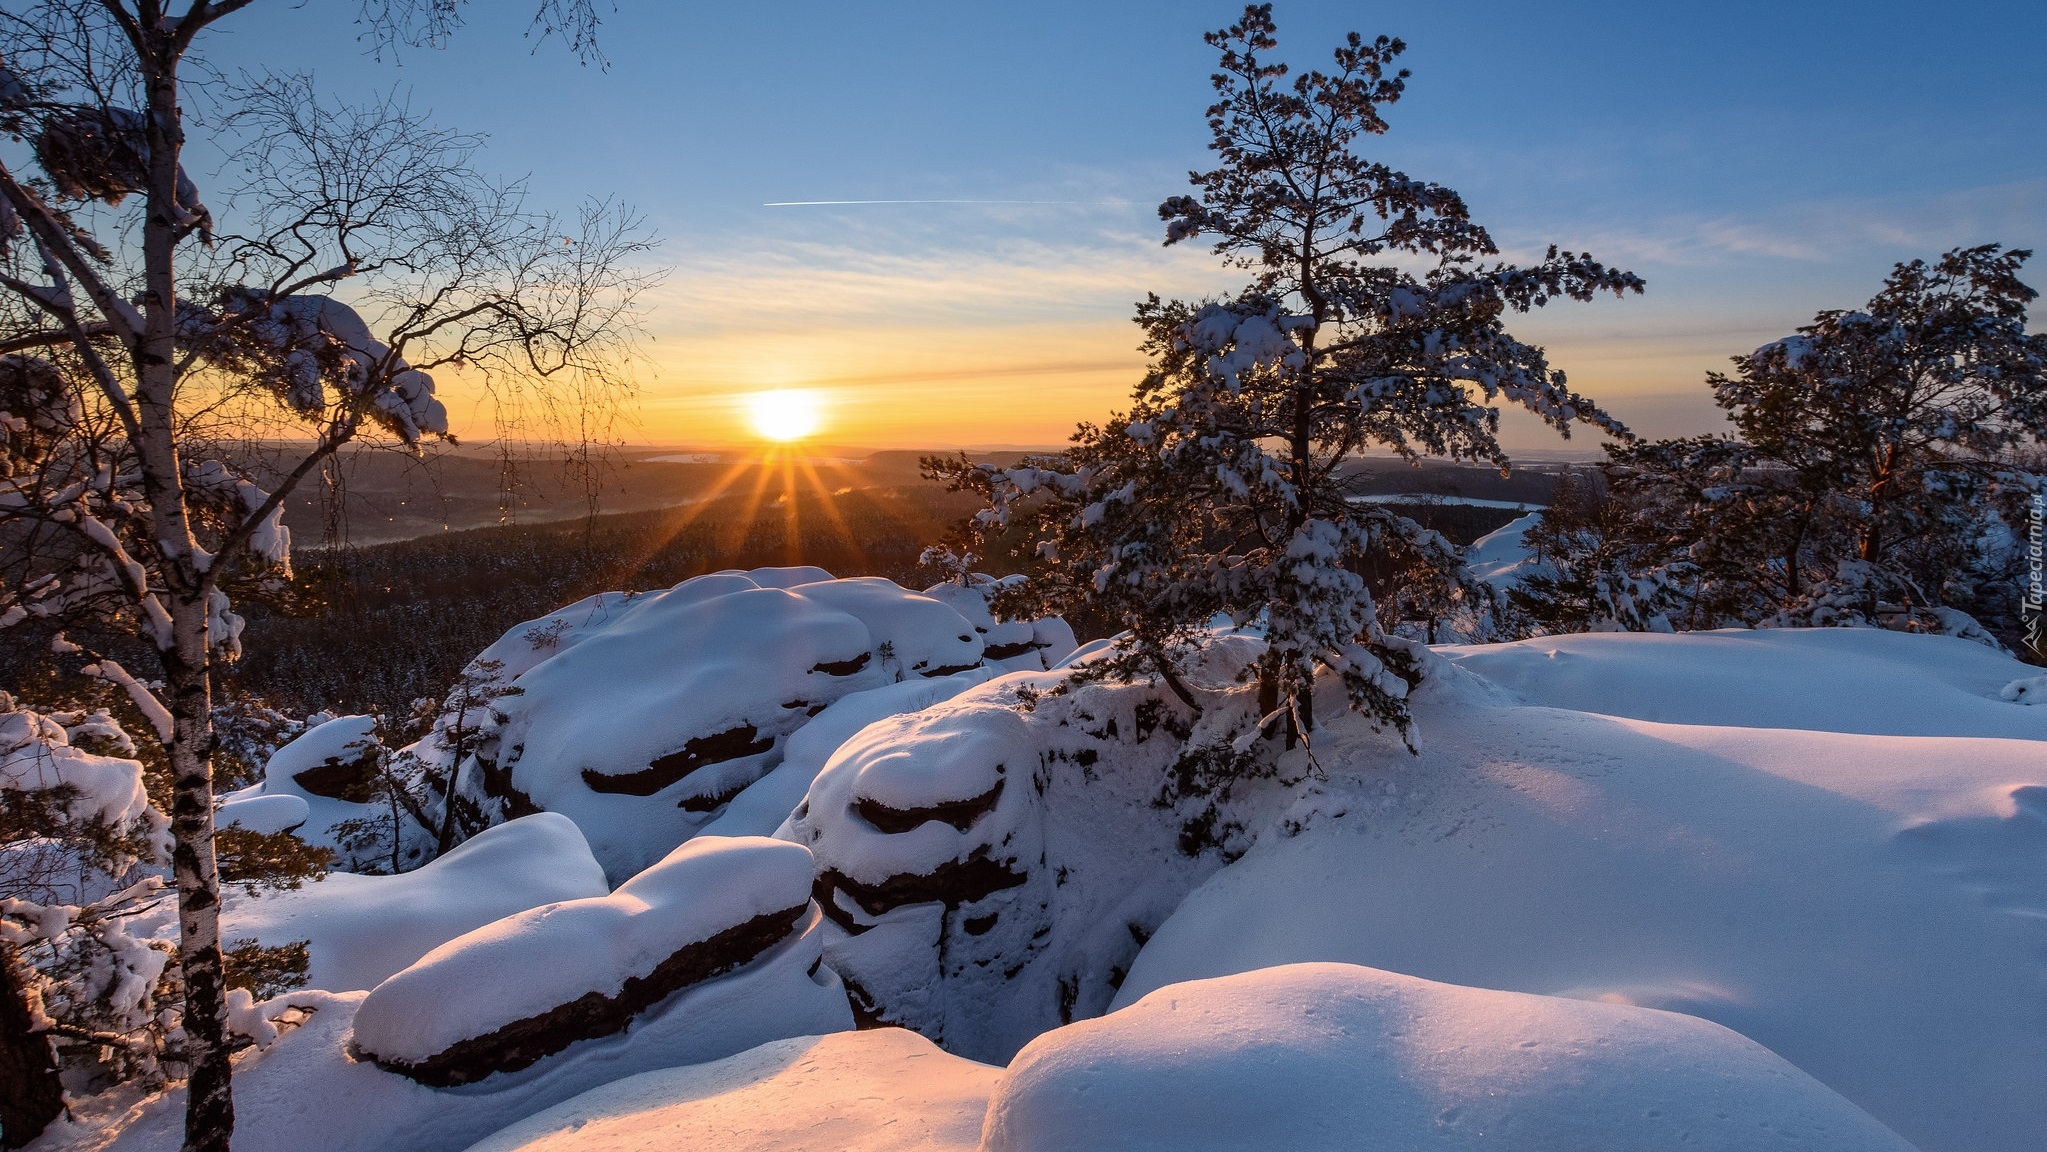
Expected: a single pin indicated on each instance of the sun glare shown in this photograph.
(785, 414)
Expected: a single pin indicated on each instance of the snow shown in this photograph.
(2027, 690)
(265, 814)
(887, 1090)
(641, 716)
(1011, 645)
(565, 951)
(1862, 680)
(1332, 1056)
(1827, 840)
(916, 762)
(1500, 557)
(982, 915)
(362, 929)
(927, 636)
(280, 802)
(1636, 891)
(305, 1091)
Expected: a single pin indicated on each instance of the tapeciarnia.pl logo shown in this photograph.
(2036, 576)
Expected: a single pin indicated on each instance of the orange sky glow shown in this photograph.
(1013, 349)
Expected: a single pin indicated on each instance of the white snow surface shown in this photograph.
(1336, 1057)
(362, 929)
(1828, 840)
(2026, 690)
(1036, 645)
(1611, 850)
(1501, 557)
(886, 1090)
(305, 1092)
(566, 950)
(982, 917)
(1858, 680)
(264, 813)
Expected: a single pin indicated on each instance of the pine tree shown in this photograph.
(1221, 490)
(1879, 474)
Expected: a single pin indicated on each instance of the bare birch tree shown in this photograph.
(150, 342)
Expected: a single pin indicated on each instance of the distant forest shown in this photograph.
(371, 628)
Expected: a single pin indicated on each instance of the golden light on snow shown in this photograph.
(785, 414)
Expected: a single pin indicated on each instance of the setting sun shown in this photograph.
(785, 414)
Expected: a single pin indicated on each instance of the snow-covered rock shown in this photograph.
(362, 929)
(641, 716)
(514, 992)
(1010, 645)
(305, 1092)
(1330, 1056)
(765, 805)
(990, 865)
(316, 787)
(2026, 690)
(883, 1090)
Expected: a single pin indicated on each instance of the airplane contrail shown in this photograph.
(838, 203)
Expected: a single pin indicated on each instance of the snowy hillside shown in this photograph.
(1729, 890)
(1835, 843)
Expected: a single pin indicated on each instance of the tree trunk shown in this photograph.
(1268, 693)
(209, 1103)
(30, 1094)
(186, 652)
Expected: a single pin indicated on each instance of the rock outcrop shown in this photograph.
(515, 992)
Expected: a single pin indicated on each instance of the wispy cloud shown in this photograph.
(1824, 231)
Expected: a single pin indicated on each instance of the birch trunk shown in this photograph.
(186, 658)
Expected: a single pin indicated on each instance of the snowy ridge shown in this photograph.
(313, 785)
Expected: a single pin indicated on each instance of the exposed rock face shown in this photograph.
(643, 716)
(512, 993)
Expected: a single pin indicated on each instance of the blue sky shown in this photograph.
(1755, 162)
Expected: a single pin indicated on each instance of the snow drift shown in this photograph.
(885, 1090)
(1329, 1056)
(362, 929)
(1830, 843)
